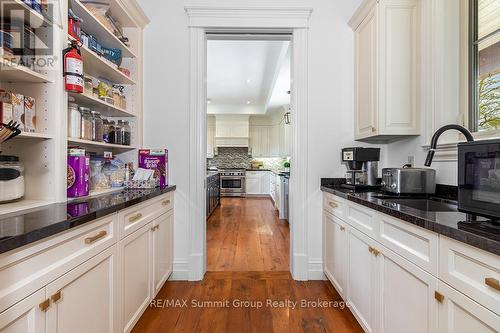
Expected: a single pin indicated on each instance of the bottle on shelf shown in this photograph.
(86, 124)
(97, 127)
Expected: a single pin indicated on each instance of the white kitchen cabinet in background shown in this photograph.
(386, 70)
(210, 141)
(258, 183)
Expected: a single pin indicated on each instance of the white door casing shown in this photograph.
(292, 20)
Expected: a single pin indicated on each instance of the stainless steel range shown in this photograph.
(232, 182)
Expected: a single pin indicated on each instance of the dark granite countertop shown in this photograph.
(23, 228)
(212, 173)
(257, 169)
(475, 231)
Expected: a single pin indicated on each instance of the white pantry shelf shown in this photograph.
(11, 72)
(92, 26)
(30, 135)
(106, 109)
(99, 146)
(20, 205)
(20, 11)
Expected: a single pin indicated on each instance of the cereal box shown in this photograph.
(156, 159)
(5, 106)
(29, 114)
(18, 109)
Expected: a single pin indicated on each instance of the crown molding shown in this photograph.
(136, 13)
(248, 17)
(360, 13)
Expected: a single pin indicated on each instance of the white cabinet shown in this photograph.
(136, 275)
(362, 275)
(257, 182)
(162, 250)
(210, 141)
(460, 314)
(85, 299)
(407, 302)
(260, 139)
(26, 316)
(386, 69)
(335, 251)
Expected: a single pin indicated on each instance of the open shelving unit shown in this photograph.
(44, 153)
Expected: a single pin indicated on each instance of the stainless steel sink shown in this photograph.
(425, 204)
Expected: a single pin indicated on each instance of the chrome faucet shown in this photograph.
(435, 137)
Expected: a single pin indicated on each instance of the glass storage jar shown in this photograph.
(97, 127)
(106, 131)
(74, 121)
(11, 178)
(124, 132)
(86, 124)
(117, 136)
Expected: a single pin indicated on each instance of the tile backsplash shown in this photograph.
(237, 157)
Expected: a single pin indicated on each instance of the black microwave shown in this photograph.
(479, 178)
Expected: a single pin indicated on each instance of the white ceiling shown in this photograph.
(242, 75)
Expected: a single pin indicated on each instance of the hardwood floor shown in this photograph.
(248, 287)
(216, 305)
(245, 234)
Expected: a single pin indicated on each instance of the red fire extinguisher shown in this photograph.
(73, 68)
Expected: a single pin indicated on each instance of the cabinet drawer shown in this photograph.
(333, 204)
(415, 244)
(361, 218)
(137, 216)
(471, 271)
(25, 271)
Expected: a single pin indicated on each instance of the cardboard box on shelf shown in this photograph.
(18, 109)
(5, 106)
(156, 159)
(29, 114)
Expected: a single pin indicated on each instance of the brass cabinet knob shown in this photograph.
(493, 283)
(374, 251)
(44, 305)
(333, 204)
(166, 203)
(342, 228)
(438, 296)
(56, 297)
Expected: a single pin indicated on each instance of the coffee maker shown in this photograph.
(362, 167)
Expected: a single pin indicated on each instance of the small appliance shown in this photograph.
(479, 178)
(232, 182)
(362, 167)
(409, 180)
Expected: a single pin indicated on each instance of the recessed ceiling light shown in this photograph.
(248, 102)
(209, 101)
(248, 81)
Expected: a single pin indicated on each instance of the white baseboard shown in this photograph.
(299, 267)
(315, 270)
(180, 271)
(196, 265)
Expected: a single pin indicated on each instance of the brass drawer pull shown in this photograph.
(44, 305)
(95, 238)
(493, 283)
(439, 297)
(374, 251)
(156, 227)
(166, 203)
(374, 129)
(135, 218)
(56, 297)
(333, 205)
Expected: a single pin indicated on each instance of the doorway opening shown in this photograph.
(248, 151)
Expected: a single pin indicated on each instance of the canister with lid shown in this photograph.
(74, 121)
(11, 178)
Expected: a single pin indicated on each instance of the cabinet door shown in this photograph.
(366, 114)
(362, 277)
(25, 316)
(162, 250)
(85, 299)
(265, 141)
(460, 314)
(407, 300)
(334, 251)
(210, 141)
(274, 141)
(255, 141)
(136, 275)
(253, 182)
(265, 182)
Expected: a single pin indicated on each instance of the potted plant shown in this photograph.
(286, 165)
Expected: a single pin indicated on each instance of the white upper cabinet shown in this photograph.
(386, 70)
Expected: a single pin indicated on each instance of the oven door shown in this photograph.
(479, 178)
(232, 184)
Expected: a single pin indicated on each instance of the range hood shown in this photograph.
(232, 130)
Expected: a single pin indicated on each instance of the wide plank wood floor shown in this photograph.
(240, 302)
(245, 234)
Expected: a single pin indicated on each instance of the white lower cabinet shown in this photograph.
(136, 288)
(335, 251)
(391, 292)
(162, 250)
(407, 302)
(257, 183)
(85, 299)
(25, 316)
(362, 275)
(460, 314)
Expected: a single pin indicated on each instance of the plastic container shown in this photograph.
(11, 178)
(74, 121)
(97, 127)
(86, 124)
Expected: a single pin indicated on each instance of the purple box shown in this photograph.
(78, 174)
(156, 159)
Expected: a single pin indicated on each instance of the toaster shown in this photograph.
(409, 180)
